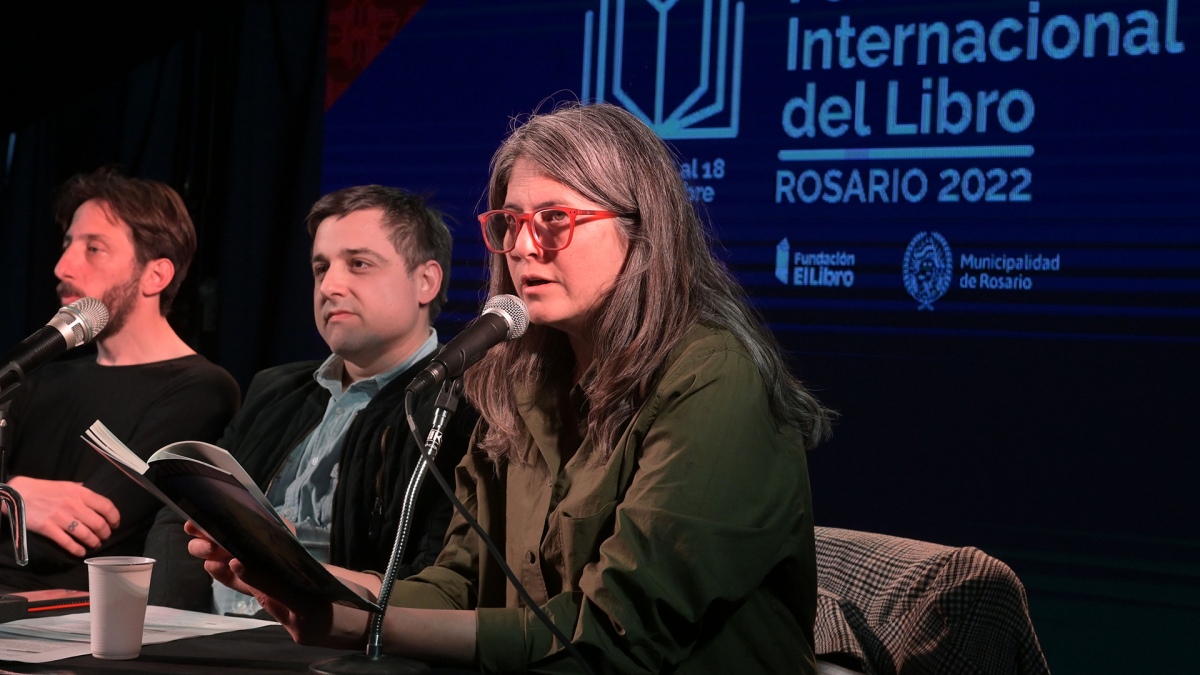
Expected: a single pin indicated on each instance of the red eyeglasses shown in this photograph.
(551, 227)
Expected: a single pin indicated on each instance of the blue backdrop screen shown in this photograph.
(975, 227)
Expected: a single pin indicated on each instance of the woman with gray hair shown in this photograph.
(641, 455)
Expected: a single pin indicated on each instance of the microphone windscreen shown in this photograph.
(85, 318)
(515, 311)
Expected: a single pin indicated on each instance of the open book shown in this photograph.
(206, 485)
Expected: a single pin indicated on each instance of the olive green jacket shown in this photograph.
(689, 550)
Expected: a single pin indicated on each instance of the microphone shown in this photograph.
(76, 324)
(504, 317)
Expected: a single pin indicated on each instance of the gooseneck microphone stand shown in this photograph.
(374, 661)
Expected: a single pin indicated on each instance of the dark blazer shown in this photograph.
(377, 460)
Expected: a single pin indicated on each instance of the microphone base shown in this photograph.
(361, 664)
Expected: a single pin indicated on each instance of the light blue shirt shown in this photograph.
(303, 490)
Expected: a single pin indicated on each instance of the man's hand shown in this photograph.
(216, 559)
(67, 513)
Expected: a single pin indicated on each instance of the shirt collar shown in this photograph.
(329, 374)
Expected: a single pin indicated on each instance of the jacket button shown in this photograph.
(529, 558)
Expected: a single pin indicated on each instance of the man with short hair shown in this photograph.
(327, 441)
(127, 242)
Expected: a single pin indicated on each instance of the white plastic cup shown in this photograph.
(117, 589)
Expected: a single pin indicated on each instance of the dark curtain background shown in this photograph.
(221, 100)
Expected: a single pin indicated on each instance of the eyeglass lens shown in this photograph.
(551, 229)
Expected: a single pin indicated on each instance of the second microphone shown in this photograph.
(504, 317)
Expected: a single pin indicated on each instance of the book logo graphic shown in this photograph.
(625, 39)
(928, 268)
(783, 261)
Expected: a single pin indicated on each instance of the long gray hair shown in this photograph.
(670, 281)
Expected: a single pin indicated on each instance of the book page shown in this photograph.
(111, 448)
(99, 437)
(220, 505)
(240, 521)
(218, 457)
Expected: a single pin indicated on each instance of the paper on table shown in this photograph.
(50, 638)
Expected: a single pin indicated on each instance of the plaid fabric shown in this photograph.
(892, 606)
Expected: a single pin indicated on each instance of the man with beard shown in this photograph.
(127, 242)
